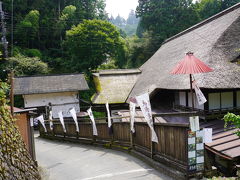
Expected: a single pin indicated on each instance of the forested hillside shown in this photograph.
(128, 26)
(60, 36)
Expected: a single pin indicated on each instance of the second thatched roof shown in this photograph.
(215, 41)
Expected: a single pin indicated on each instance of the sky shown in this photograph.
(121, 7)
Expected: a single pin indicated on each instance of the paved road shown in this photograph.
(69, 161)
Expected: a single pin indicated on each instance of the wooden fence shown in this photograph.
(171, 149)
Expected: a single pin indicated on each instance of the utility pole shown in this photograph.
(12, 31)
(3, 39)
(11, 91)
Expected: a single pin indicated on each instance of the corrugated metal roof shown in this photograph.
(49, 84)
(225, 142)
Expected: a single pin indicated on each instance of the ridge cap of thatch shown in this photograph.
(117, 72)
(46, 75)
(222, 13)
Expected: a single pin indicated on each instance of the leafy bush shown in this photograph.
(27, 65)
(232, 119)
(32, 53)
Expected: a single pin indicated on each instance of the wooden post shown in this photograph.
(77, 135)
(94, 139)
(112, 135)
(131, 135)
(152, 143)
(191, 89)
(12, 92)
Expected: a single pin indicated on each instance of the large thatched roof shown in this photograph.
(49, 84)
(114, 86)
(215, 41)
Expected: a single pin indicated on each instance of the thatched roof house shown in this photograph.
(61, 91)
(49, 84)
(114, 86)
(215, 41)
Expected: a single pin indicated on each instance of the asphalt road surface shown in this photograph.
(70, 161)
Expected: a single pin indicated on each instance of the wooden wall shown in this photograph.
(171, 149)
(23, 123)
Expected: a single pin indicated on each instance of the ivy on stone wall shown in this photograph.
(15, 161)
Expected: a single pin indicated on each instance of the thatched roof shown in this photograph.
(49, 84)
(215, 41)
(114, 86)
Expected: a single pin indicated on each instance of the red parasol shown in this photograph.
(191, 65)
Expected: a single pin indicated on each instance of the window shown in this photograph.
(214, 101)
(227, 100)
(238, 98)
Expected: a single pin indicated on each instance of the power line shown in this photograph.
(3, 39)
(12, 31)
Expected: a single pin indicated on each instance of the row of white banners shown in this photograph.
(142, 100)
(74, 116)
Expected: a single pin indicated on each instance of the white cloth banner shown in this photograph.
(74, 116)
(109, 116)
(207, 135)
(41, 120)
(93, 121)
(60, 115)
(50, 120)
(31, 122)
(144, 103)
(132, 107)
(200, 97)
(194, 123)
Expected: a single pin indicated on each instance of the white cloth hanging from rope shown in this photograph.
(74, 116)
(200, 97)
(144, 103)
(41, 120)
(95, 133)
(109, 116)
(132, 107)
(50, 120)
(110, 128)
(60, 115)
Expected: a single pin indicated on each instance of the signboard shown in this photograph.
(196, 150)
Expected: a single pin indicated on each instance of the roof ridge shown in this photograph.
(45, 75)
(226, 11)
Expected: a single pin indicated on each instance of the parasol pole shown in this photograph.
(191, 89)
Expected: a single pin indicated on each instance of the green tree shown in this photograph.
(26, 65)
(132, 19)
(92, 43)
(28, 29)
(140, 49)
(66, 20)
(207, 8)
(166, 18)
(49, 40)
(119, 21)
(228, 3)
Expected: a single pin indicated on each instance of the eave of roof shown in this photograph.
(42, 84)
